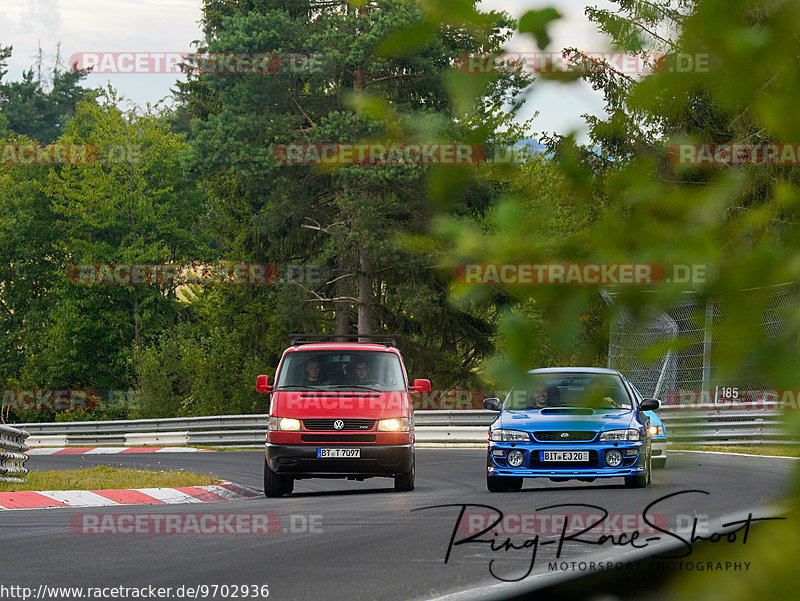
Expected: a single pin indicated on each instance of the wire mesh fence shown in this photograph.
(691, 372)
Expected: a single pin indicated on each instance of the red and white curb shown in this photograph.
(111, 450)
(216, 493)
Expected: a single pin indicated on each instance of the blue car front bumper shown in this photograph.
(533, 466)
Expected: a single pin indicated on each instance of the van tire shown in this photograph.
(276, 485)
(405, 482)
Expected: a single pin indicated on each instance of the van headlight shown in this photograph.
(399, 424)
(499, 435)
(283, 423)
(620, 435)
(656, 430)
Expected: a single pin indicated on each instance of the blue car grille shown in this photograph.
(558, 436)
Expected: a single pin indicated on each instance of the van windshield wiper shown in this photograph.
(299, 386)
(359, 386)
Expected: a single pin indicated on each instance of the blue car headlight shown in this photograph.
(499, 435)
(620, 435)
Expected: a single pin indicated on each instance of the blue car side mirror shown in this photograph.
(650, 405)
(492, 404)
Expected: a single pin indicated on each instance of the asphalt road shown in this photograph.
(365, 541)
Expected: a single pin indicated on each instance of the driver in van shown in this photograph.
(312, 375)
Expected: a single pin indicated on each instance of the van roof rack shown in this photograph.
(389, 339)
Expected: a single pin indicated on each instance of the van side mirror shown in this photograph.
(650, 405)
(492, 404)
(421, 386)
(262, 384)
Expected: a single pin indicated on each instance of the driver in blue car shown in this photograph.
(544, 396)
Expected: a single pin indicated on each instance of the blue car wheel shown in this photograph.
(503, 483)
(643, 480)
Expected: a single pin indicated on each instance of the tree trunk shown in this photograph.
(364, 260)
(364, 292)
(341, 325)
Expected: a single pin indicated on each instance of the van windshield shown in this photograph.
(341, 370)
(596, 391)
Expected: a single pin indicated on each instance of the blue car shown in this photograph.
(570, 423)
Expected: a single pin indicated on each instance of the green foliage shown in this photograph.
(36, 109)
(139, 207)
(369, 88)
(535, 22)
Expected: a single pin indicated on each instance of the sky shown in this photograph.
(170, 26)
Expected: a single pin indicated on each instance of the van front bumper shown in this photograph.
(376, 460)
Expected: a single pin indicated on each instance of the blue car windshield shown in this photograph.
(581, 390)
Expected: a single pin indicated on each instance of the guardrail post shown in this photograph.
(12, 454)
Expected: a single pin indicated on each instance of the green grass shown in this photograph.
(104, 477)
(786, 450)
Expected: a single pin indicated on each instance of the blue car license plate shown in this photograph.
(576, 456)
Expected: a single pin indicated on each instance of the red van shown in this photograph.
(339, 410)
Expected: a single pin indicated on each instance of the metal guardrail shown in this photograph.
(728, 424)
(12, 454)
(742, 424)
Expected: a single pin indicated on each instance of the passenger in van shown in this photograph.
(361, 375)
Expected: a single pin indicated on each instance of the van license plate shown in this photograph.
(564, 456)
(338, 453)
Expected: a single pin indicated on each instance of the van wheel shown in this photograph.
(276, 485)
(405, 482)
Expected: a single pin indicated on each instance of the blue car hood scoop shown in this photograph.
(567, 411)
(566, 418)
